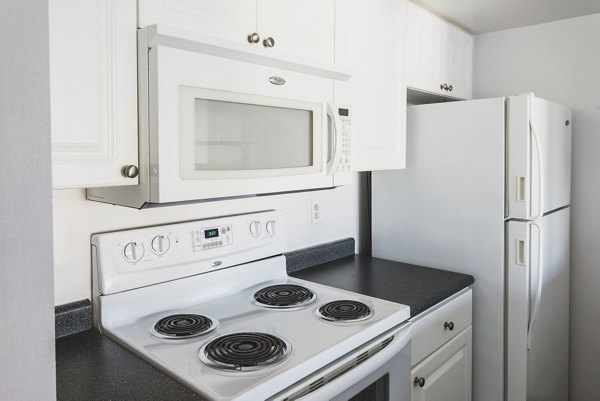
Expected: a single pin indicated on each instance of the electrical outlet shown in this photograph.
(316, 214)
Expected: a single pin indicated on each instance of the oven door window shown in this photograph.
(378, 391)
(230, 135)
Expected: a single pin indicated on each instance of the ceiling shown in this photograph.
(480, 16)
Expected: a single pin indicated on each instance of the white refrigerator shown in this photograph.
(486, 191)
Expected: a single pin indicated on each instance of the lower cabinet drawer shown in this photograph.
(445, 375)
(440, 325)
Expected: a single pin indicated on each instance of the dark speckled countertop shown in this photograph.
(91, 367)
(416, 286)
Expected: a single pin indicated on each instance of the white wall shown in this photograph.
(27, 367)
(76, 218)
(560, 61)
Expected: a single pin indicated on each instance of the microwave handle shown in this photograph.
(336, 138)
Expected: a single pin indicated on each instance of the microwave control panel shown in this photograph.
(344, 164)
(211, 237)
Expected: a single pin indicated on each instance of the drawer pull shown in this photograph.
(449, 325)
(419, 381)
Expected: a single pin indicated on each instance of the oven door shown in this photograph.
(377, 371)
(220, 127)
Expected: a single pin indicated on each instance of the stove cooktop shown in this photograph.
(244, 332)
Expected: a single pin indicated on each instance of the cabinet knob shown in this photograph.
(449, 325)
(419, 381)
(130, 171)
(269, 42)
(253, 38)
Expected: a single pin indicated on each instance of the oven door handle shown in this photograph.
(360, 372)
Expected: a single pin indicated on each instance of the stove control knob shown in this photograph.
(133, 252)
(255, 228)
(160, 245)
(270, 226)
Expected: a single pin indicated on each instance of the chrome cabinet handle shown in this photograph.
(269, 42)
(419, 381)
(130, 171)
(449, 325)
(253, 38)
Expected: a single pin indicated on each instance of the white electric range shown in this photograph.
(209, 302)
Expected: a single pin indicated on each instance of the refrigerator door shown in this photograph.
(446, 210)
(538, 178)
(538, 308)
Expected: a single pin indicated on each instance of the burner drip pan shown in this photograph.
(344, 311)
(245, 351)
(284, 296)
(183, 326)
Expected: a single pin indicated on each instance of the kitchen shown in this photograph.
(557, 61)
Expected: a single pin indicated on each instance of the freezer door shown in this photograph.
(538, 308)
(538, 144)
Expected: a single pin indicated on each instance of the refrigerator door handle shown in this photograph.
(521, 189)
(540, 155)
(540, 281)
(521, 253)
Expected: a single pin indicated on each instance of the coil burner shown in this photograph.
(244, 351)
(183, 326)
(344, 311)
(284, 296)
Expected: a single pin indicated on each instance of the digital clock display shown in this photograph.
(212, 233)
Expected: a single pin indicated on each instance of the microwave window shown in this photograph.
(239, 136)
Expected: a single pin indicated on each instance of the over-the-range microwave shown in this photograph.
(214, 127)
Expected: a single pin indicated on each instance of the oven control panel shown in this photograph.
(212, 237)
(139, 257)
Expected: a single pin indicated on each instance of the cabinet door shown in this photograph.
(425, 51)
(227, 19)
(300, 28)
(93, 91)
(369, 41)
(459, 62)
(439, 55)
(446, 374)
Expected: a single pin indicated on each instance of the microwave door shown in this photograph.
(237, 144)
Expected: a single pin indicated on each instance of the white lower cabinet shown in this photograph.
(446, 374)
(441, 352)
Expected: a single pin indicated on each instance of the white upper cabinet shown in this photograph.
(93, 92)
(439, 55)
(369, 41)
(302, 29)
(227, 19)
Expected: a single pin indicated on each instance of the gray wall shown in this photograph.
(27, 369)
(560, 61)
